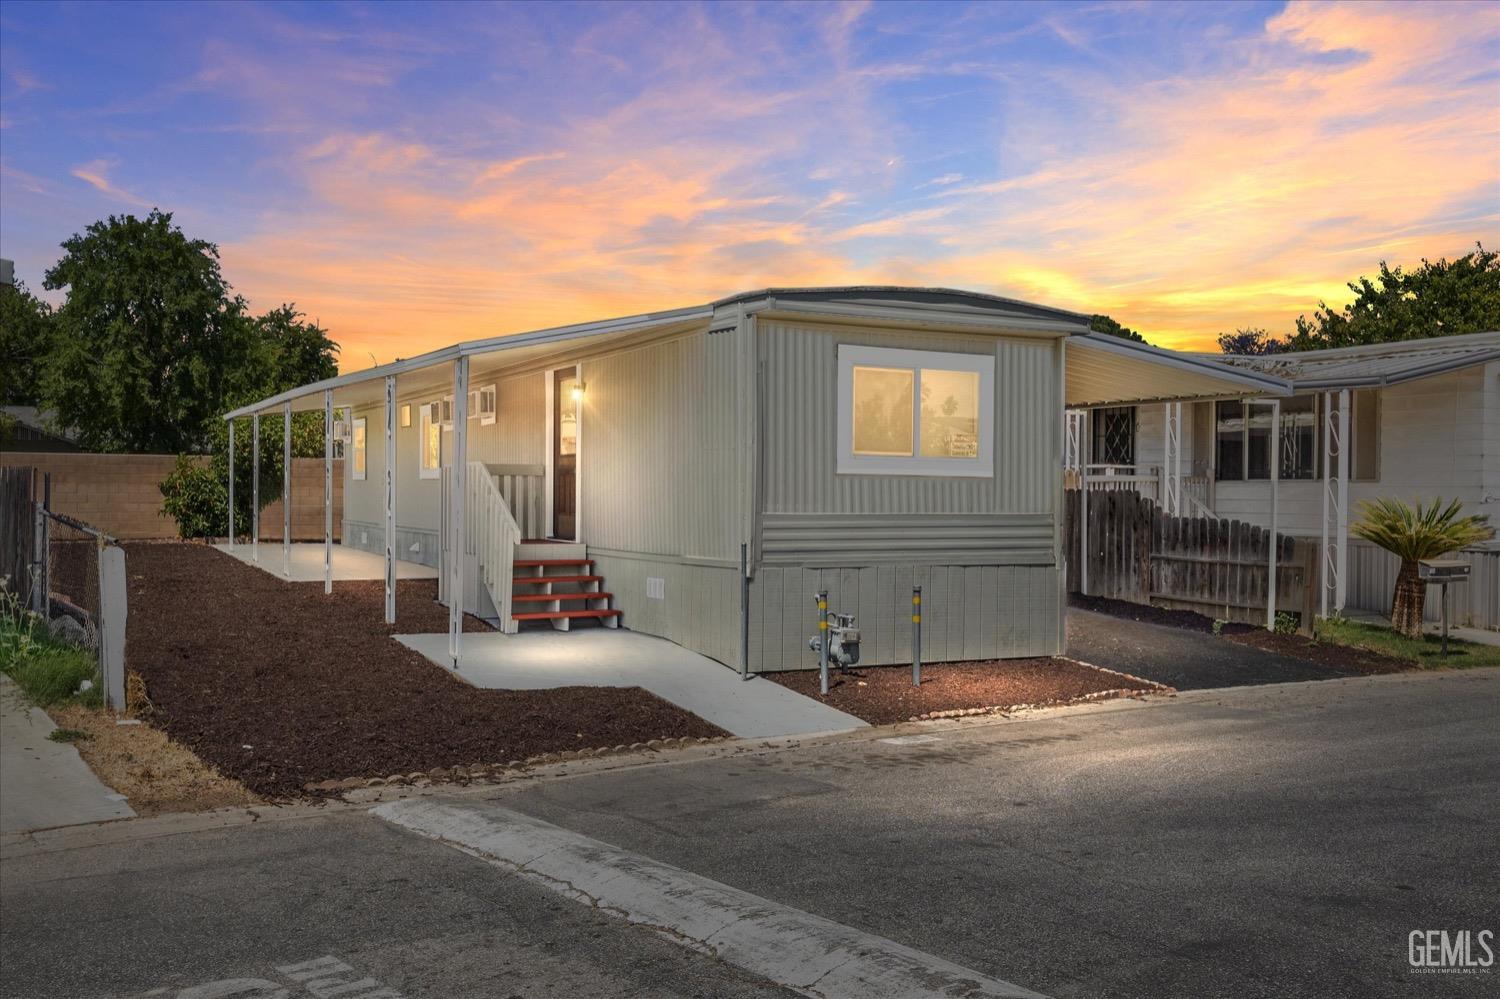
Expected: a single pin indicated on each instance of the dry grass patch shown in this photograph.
(154, 773)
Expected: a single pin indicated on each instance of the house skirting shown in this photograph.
(412, 544)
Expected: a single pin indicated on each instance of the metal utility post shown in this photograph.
(255, 487)
(231, 484)
(1341, 575)
(1327, 498)
(286, 492)
(823, 639)
(390, 499)
(328, 490)
(744, 611)
(916, 636)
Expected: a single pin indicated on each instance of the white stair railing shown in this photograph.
(493, 535)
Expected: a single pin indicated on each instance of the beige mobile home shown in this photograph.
(698, 474)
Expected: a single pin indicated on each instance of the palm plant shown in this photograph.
(1413, 534)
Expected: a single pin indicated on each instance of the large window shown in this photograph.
(1113, 436)
(915, 412)
(430, 444)
(1242, 440)
(357, 443)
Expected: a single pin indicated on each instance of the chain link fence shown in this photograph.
(70, 573)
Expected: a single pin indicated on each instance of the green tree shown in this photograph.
(1250, 341)
(1104, 324)
(25, 342)
(149, 343)
(295, 352)
(1413, 534)
(1441, 298)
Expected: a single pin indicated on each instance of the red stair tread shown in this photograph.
(537, 598)
(554, 615)
(557, 579)
(533, 562)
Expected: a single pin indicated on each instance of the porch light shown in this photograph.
(578, 391)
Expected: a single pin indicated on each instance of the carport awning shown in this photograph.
(1105, 370)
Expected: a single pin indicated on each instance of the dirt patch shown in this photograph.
(155, 774)
(279, 685)
(1185, 619)
(882, 695)
(1340, 657)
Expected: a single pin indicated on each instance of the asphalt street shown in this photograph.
(1272, 841)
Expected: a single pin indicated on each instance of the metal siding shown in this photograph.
(659, 454)
(800, 388)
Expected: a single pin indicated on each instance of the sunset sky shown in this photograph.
(415, 175)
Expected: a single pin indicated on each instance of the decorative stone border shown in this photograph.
(498, 771)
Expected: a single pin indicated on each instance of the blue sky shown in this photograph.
(416, 174)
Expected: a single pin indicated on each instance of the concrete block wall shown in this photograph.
(121, 493)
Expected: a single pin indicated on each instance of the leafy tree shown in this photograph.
(25, 341)
(1104, 324)
(150, 342)
(196, 493)
(1441, 298)
(1413, 534)
(296, 352)
(1250, 341)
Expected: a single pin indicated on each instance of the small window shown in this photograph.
(406, 414)
(1243, 440)
(915, 412)
(482, 404)
(1300, 437)
(446, 408)
(431, 442)
(357, 446)
(1113, 440)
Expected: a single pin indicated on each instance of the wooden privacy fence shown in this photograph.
(17, 529)
(1217, 568)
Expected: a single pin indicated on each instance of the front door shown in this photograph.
(565, 453)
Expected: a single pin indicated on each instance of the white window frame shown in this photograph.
(980, 467)
(405, 415)
(431, 415)
(447, 413)
(482, 404)
(359, 453)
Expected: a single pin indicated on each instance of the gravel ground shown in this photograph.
(882, 695)
(278, 685)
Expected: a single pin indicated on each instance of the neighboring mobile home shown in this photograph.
(858, 440)
(1423, 422)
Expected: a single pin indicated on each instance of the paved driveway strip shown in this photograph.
(1177, 657)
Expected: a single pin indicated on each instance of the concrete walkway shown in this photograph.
(44, 784)
(611, 657)
(307, 562)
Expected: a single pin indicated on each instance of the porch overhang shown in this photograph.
(1105, 370)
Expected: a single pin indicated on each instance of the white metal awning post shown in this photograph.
(1275, 456)
(390, 499)
(1085, 450)
(328, 490)
(286, 491)
(459, 482)
(255, 487)
(1341, 580)
(1171, 458)
(231, 484)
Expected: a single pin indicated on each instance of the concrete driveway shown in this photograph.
(1187, 660)
(615, 657)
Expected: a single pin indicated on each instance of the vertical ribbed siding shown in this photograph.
(800, 422)
(519, 434)
(659, 452)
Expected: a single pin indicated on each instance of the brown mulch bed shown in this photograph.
(1185, 619)
(1341, 657)
(278, 685)
(882, 695)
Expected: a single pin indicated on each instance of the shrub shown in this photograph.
(47, 671)
(196, 498)
(1285, 624)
